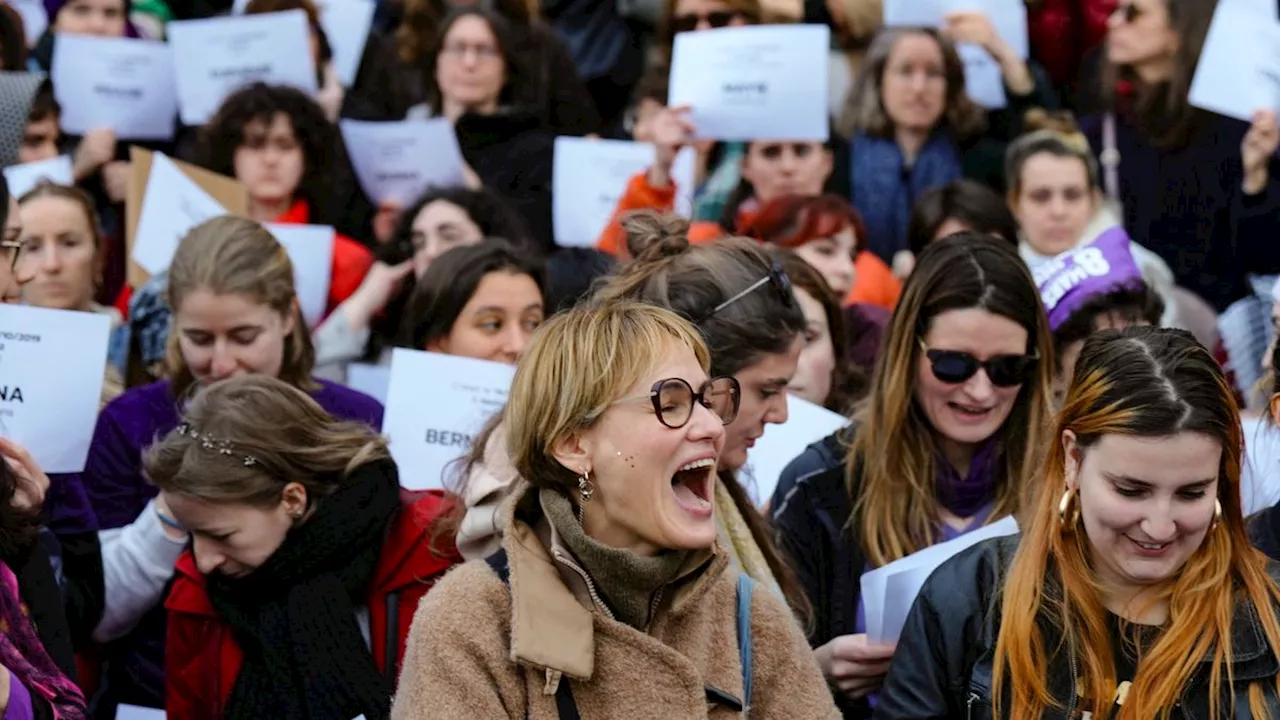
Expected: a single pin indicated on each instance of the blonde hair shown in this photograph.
(289, 437)
(579, 363)
(234, 256)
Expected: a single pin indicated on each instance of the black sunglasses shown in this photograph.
(689, 22)
(1128, 12)
(673, 400)
(776, 277)
(954, 367)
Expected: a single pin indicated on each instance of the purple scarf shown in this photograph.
(965, 497)
(22, 653)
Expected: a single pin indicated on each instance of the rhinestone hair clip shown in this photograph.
(208, 442)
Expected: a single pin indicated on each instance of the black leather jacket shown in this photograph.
(943, 664)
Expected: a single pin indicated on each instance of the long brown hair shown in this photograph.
(692, 280)
(1141, 382)
(896, 509)
(283, 429)
(1162, 111)
(234, 256)
(864, 109)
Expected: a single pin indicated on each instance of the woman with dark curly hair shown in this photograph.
(278, 143)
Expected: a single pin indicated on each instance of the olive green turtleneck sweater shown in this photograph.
(626, 581)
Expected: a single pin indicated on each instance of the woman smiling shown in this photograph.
(611, 593)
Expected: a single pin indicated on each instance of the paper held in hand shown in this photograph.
(749, 83)
(436, 404)
(52, 365)
(1239, 68)
(396, 162)
(171, 206)
(346, 25)
(23, 178)
(213, 58)
(590, 176)
(123, 84)
(310, 249)
(806, 423)
(888, 592)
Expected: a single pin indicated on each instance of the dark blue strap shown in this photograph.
(498, 562)
(745, 587)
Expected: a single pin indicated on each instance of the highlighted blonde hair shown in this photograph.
(1142, 382)
(579, 363)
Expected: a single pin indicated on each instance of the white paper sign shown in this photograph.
(590, 176)
(983, 78)
(397, 161)
(310, 249)
(23, 178)
(171, 206)
(346, 23)
(806, 423)
(1239, 68)
(372, 380)
(435, 406)
(766, 82)
(52, 365)
(34, 18)
(213, 58)
(134, 712)
(119, 83)
(1008, 17)
(889, 591)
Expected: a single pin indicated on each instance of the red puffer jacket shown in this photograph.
(1062, 31)
(202, 658)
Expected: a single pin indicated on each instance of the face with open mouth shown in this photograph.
(1146, 503)
(654, 485)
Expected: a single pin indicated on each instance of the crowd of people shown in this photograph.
(1060, 311)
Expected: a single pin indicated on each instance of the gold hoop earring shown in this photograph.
(1064, 505)
(585, 488)
(1217, 515)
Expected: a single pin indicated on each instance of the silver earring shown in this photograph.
(585, 489)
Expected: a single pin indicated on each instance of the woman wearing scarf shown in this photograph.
(942, 446)
(307, 560)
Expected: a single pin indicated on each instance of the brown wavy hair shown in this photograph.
(896, 509)
(1140, 382)
(234, 256)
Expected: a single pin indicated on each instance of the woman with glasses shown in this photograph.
(610, 596)
(944, 443)
(1213, 216)
(1132, 591)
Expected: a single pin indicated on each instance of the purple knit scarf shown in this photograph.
(965, 497)
(22, 653)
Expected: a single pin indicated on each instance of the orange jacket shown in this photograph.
(875, 283)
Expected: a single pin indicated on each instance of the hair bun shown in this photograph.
(652, 235)
(1059, 121)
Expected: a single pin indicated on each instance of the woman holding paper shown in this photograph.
(231, 287)
(307, 559)
(610, 596)
(1133, 591)
(944, 445)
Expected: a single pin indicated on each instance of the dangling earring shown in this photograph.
(1065, 504)
(1217, 515)
(585, 489)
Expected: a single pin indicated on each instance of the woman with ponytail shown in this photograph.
(1133, 591)
(235, 312)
